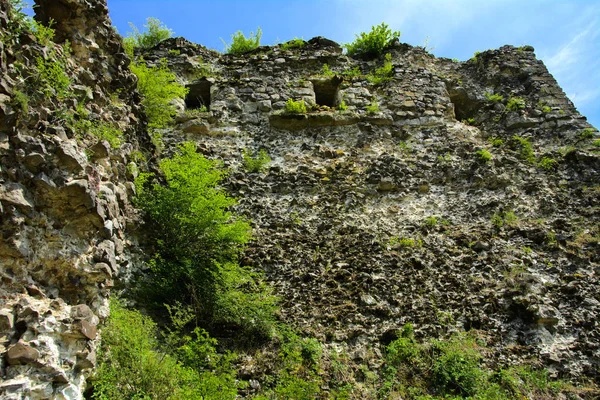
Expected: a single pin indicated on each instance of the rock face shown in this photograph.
(380, 207)
(426, 200)
(64, 205)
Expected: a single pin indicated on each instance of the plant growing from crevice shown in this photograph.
(241, 44)
(159, 88)
(484, 156)
(383, 73)
(256, 163)
(515, 104)
(295, 107)
(154, 33)
(525, 148)
(373, 108)
(326, 71)
(295, 43)
(494, 97)
(373, 43)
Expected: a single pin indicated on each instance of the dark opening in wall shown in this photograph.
(198, 95)
(327, 91)
(465, 107)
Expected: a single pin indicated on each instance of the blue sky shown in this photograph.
(565, 34)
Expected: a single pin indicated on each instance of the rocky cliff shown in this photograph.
(453, 195)
(64, 195)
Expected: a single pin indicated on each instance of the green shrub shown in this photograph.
(129, 365)
(596, 143)
(295, 43)
(20, 101)
(242, 44)
(431, 220)
(494, 97)
(159, 87)
(587, 133)
(51, 76)
(132, 367)
(372, 44)
(515, 104)
(404, 147)
(548, 163)
(508, 218)
(342, 106)
(373, 108)
(257, 163)
(404, 242)
(43, 34)
(484, 155)
(496, 142)
(544, 107)
(295, 107)
(456, 366)
(197, 243)
(525, 148)
(404, 349)
(352, 73)
(383, 73)
(154, 33)
(326, 71)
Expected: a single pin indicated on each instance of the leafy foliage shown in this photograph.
(131, 366)
(373, 108)
(196, 245)
(525, 148)
(587, 133)
(242, 44)
(484, 155)
(326, 71)
(383, 73)
(159, 87)
(154, 33)
(494, 97)
(548, 163)
(453, 369)
(51, 76)
(257, 163)
(515, 104)
(295, 107)
(295, 43)
(372, 44)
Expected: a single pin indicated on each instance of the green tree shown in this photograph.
(196, 245)
(159, 87)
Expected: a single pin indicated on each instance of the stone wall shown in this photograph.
(367, 218)
(343, 215)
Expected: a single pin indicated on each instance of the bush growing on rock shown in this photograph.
(154, 33)
(372, 44)
(196, 243)
(159, 87)
(515, 104)
(257, 163)
(295, 107)
(242, 44)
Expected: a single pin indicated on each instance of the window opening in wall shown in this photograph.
(327, 91)
(198, 95)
